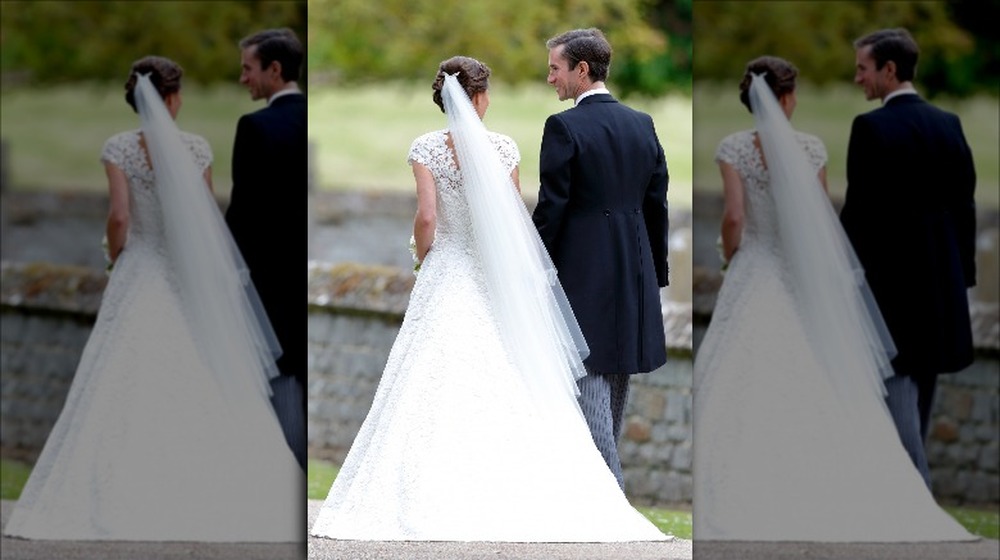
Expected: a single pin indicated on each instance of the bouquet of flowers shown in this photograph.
(109, 264)
(413, 253)
(722, 254)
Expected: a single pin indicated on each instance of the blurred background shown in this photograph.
(63, 66)
(958, 70)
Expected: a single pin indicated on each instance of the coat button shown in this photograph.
(636, 210)
(607, 212)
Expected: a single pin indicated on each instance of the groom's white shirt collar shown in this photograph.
(288, 91)
(898, 92)
(590, 92)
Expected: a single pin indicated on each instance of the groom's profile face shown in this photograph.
(561, 76)
(256, 79)
(871, 79)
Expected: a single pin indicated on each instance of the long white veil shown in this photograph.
(535, 319)
(229, 325)
(843, 322)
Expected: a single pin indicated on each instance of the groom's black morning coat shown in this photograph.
(910, 214)
(267, 216)
(602, 215)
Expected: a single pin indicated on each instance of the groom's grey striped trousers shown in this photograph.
(287, 400)
(602, 399)
(902, 401)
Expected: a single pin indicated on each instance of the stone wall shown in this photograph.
(46, 312)
(962, 446)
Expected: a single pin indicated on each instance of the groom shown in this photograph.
(267, 210)
(910, 214)
(602, 215)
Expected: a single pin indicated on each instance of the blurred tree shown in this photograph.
(957, 40)
(356, 41)
(670, 68)
(54, 42)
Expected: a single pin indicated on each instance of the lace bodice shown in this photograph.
(431, 150)
(760, 221)
(145, 218)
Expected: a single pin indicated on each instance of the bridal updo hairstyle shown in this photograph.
(473, 76)
(778, 73)
(165, 75)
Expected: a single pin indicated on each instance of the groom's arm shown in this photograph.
(555, 175)
(247, 158)
(963, 204)
(862, 159)
(654, 209)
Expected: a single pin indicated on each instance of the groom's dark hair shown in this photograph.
(896, 45)
(277, 44)
(585, 45)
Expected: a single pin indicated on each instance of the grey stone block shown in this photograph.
(681, 460)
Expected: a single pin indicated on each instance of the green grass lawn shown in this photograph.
(13, 476)
(828, 113)
(321, 475)
(55, 135)
(363, 134)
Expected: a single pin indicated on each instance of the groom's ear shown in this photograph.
(890, 68)
(276, 67)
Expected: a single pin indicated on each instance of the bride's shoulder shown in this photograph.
(432, 137)
(507, 148)
(813, 146)
(502, 141)
(730, 147)
(424, 147)
(807, 139)
(199, 147)
(118, 145)
(736, 138)
(192, 139)
(123, 138)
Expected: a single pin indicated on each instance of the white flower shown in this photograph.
(722, 254)
(413, 253)
(109, 264)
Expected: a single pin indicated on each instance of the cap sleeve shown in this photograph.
(201, 150)
(815, 149)
(727, 151)
(113, 151)
(419, 151)
(510, 156)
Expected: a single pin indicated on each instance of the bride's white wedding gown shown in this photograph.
(777, 455)
(456, 446)
(147, 446)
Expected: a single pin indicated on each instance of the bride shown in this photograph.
(167, 433)
(793, 441)
(475, 433)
